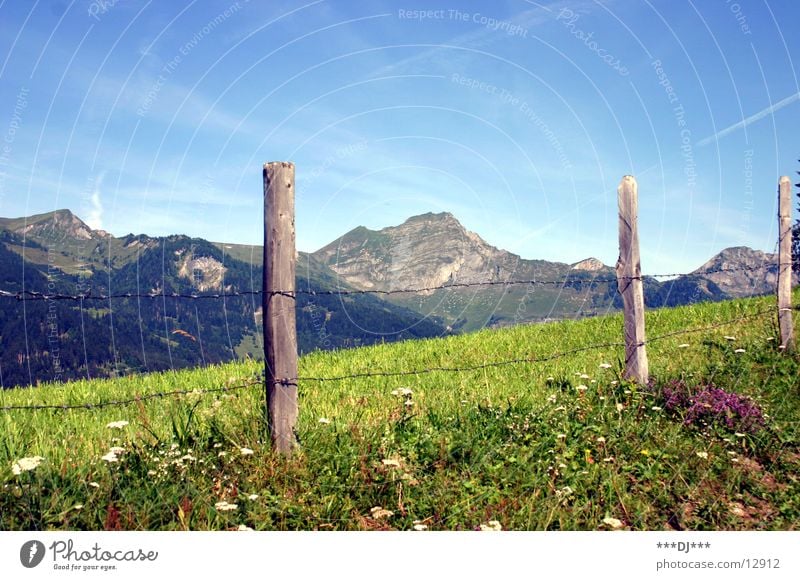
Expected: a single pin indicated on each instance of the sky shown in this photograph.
(518, 117)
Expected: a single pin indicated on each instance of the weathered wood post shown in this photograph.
(785, 264)
(280, 330)
(629, 282)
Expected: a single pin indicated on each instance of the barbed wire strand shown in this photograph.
(130, 401)
(30, 295)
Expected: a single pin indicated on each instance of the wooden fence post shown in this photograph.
(629, 282)
(280, 330)
(785, 264)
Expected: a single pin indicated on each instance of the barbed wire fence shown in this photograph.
(35, 296)
(280, 294)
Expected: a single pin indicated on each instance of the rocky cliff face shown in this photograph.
(425, 251)
(741, 271)
(58, 224)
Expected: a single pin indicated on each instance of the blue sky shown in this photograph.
(518, 117)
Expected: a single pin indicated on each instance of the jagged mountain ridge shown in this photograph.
(58, 253)
(433, 250)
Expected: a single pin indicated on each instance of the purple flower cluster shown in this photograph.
(707, 404)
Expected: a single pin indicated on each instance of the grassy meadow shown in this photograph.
(566, 444)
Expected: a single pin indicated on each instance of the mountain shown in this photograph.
(54, 340)
(741, 271)
(435, 249)
(59, 253)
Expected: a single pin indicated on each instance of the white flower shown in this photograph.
(117, 425)
(26, 464)
(729, 337)
(244, 528)
(605, 366)
(378, 512)
(222, 454)
(94, 484)
(740, 434)
(601, 439)
(702, 454)
(391, 462)
(110, 457)
(740, 350)
(584, 376)
(224, 506)
(684, 345)
(561, 436)
(620, 406)
(419, 526)
(252, 497)
(217, 445)
(550, 379)
(656, 408)
(491, 526)
(324, 421)
(77, 506)
(552, 398)
(581, 388)
(409, 403)
(612, 523)
(246, 451)
(402, 392)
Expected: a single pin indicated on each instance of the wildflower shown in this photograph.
(551, 399)
(419, 526)
(110, 457)
(550, 379)
(740, 350)
(740, 434)
(561, 436)
(770, 338)
(26, 464)
(584, 376)
(402, 392)
(605, 366)
(609, 460)
(612, 523)
(117, 425)
(491, 526)
(729, 337)
(324, 421)
(224, 506)
(77, 506)
(391, 463)
(94, 484)
(656, 408)
(409, 403)
(684, 345)
(702, 454)
(614, 383)
(378, 513)
(564, 491)
(252, 497)
(244, 528)
(222, 454)
(601, 439)
(581, 388)
(246, 451)
(113, 454)
(620, 406)
(151, 473)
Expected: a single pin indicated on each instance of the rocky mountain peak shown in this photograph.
(427, 250)
(61, 223)
(589, 265)
(741, 271)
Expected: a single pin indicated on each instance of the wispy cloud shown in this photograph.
(751, 119)
(95, 218)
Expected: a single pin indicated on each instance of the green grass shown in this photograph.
(520, 444)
